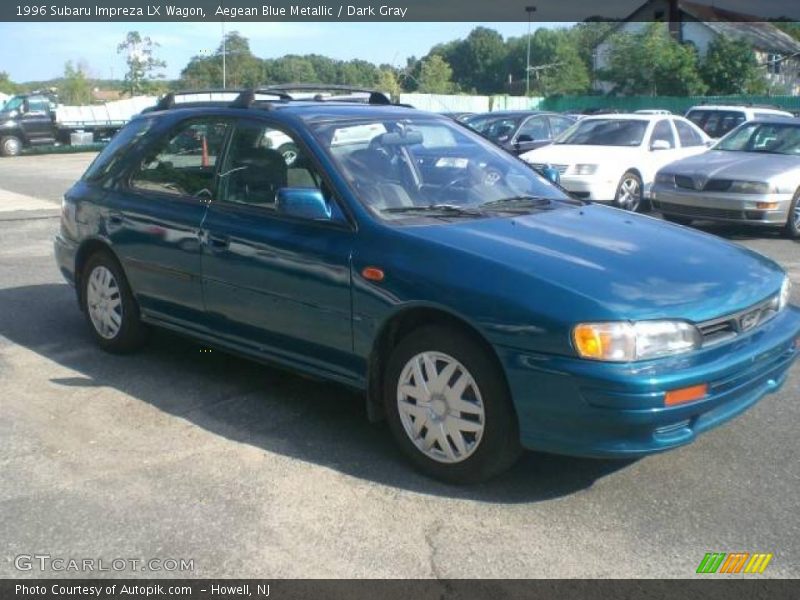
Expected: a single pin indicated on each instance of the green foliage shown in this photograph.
(143, 66)
(477, 62)
(6, 85)
(75, 88)
(652, 63)
(389, 81)
(435, 76)
(731, 67)
(242, 67)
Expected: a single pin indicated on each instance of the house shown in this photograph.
(777, 52)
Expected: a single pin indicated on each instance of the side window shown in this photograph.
(663, 132)
(261, 160)
(183, 162)
(688, 136)
(559, 124)
(38, 104)
(117, 148)
(534, 128)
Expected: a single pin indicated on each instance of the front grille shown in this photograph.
(712, 185)
(701, 211)
(721, 329)
(560, 168)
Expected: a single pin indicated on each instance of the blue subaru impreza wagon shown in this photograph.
(479, 307)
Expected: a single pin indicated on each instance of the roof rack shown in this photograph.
(374, 96)
(244, 98)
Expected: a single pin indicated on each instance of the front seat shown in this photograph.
(378, 179)
(256, 175)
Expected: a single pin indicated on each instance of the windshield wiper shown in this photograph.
(518, 202)
(448, 210)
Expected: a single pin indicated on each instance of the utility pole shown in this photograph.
(530, 10)
(224, 52)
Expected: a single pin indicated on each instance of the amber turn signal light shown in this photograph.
(372, 273)
(687, 394)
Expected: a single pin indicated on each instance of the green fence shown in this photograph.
(678, 105)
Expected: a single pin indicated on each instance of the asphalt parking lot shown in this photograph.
(175, 453)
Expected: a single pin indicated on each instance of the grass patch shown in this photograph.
(65, 149)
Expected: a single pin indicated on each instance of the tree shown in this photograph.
(389, 82)
(6, 85)
(242, 67)
(731, 67)
(435, 76)
(652, 63)
(290, 69)
(478, 62)
(75, 88)
(143, 66)
(569, 74)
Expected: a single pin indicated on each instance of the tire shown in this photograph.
(685, 221)
(478, 438)
(105, 291)
(10, 145)
(629, 192)
(792, 228)
(289, 153)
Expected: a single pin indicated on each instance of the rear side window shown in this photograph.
(763, 115)
(117, 148)
(662, 132)
(716, 123)
(688, 136)
(182, 163)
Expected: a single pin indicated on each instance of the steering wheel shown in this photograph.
(461, 178)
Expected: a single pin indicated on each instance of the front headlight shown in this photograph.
(786, 292)
(749, 187)
(585, 169)
(667, 178)
(624, 341)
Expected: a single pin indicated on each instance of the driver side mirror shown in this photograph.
(525, 138)
(660, 145)
(304, 203)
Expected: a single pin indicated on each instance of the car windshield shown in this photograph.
(496, 128)
(605, 132)
(769, 138)
(433, 168)
(14, 103)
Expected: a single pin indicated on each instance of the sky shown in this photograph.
(38, 51)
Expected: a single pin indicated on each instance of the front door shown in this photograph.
(36, 120)
(154, 218)
(273, 283)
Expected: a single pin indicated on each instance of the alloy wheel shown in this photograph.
(440, 407)
(630, 193)
(104, 302)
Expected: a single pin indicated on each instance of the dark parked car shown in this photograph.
(479, 315)
(519, 131)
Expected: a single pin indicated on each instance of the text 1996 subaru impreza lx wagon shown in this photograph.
(479, 307)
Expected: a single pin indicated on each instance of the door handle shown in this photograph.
(115, 219)
(218, 242)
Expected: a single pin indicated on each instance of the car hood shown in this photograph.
(606, 263)
(568, 154)
(748, 166)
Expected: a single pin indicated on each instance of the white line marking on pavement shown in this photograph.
(12, 201)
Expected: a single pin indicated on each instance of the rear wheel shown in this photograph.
(110, 307)
(449, 408)
(792, 229)
(10, 146)
(686, 221)
(629, 192)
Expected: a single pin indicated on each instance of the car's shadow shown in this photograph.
(268, 408)
(736, 232)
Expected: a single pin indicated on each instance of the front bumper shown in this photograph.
(720, 206)
(589, 408)
(591, 187)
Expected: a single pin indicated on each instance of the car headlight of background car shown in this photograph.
(624, 341)
(584, 169)
(667, 178)
(750, 187)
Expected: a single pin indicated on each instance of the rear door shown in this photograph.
(691, 142)
(154, 217)
(276, 284)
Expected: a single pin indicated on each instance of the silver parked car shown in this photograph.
(752, 175)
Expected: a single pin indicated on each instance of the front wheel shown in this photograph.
(792, 229)
(629, 192)
(449, 408)
(10, 146)
(110, 307)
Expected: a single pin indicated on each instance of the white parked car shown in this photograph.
(614, 158)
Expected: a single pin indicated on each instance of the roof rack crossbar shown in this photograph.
(375, 97)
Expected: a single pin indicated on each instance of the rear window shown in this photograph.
(117, 148)
(716, 123)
